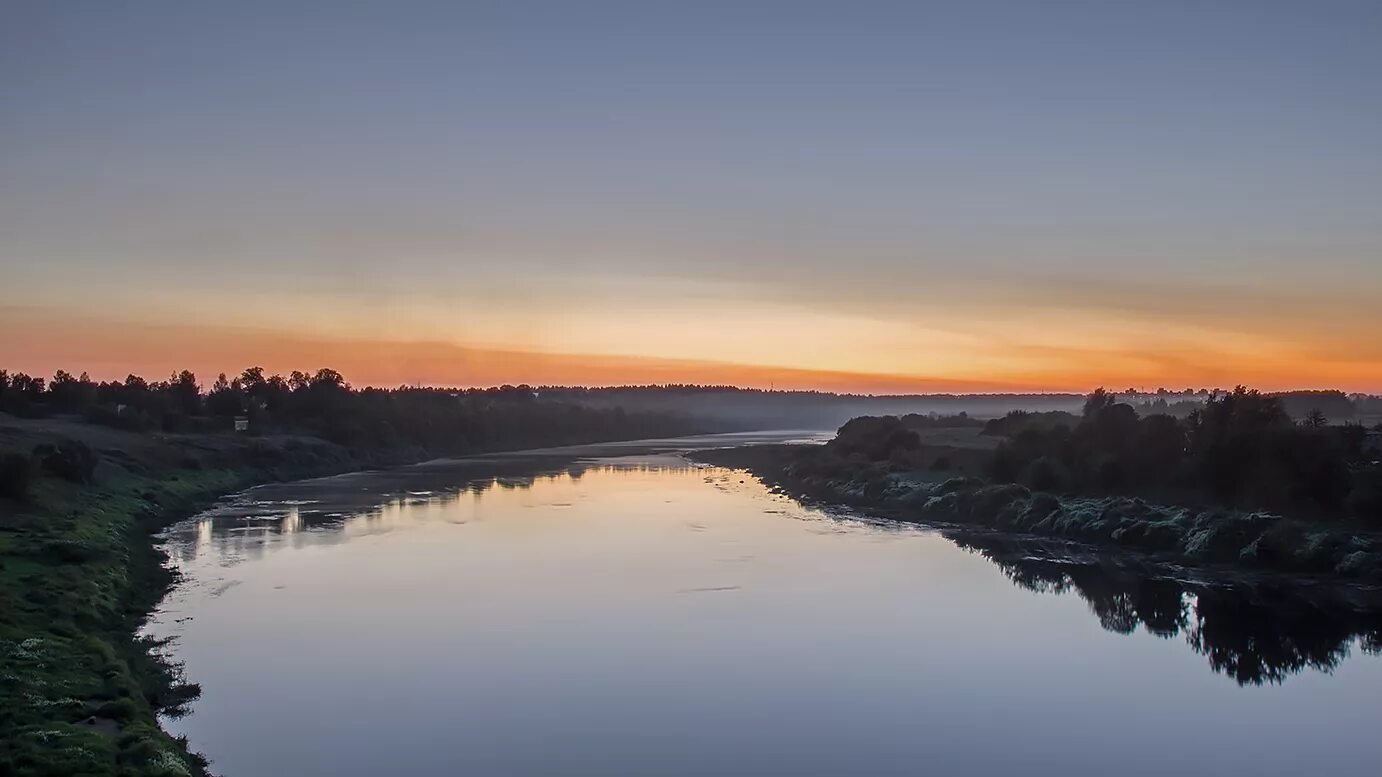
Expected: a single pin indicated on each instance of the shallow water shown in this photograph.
(614, 610)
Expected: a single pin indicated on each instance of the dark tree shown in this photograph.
(1097, 401)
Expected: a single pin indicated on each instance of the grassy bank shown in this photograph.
(1186, 535)
(79, 693)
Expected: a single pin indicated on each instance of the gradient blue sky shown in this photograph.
(892, 195)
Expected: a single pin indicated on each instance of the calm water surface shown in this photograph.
(617, 611)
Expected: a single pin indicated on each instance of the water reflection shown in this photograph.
(1256, 632)
(571, 614)
(242, 526)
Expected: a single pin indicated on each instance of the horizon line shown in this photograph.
(540, 387)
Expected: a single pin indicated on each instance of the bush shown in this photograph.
(131, 420)
(1111, 475)
(123, 710)
(16, 472)
(1365, 499)
(1043, 474)
(70, 460)
(71, 552)
(875, 438)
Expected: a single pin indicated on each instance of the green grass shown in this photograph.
(79, 573)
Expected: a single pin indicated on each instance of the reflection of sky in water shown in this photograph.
(639, 616)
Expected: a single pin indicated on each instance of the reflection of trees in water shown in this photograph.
(1257, 641)
(1121, 606)
(327, 508)
(1254, 634)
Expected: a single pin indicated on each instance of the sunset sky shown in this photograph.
(877, 197)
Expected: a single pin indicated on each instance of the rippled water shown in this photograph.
(614, 610)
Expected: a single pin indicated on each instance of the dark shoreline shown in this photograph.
(1224, 543)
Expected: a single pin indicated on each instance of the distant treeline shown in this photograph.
(707, 388)
(1333, 404)
(763, 408)
(323, 404)
(768, 409)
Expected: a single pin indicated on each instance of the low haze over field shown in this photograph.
(880, 197)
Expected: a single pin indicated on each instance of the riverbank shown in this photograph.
(1183, 535)
(80, 692)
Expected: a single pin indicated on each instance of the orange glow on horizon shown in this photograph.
(110, 351)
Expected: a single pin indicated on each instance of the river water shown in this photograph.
(616, 610)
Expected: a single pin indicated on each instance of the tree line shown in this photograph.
(1239, 449)
(324, 404)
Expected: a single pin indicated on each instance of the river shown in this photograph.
(616, 610)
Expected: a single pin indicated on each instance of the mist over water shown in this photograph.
(615, 610)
